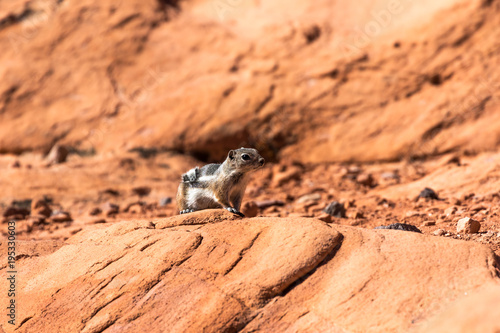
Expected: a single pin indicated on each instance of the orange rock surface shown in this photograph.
(361, 103)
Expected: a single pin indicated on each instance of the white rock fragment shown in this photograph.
(468, 226)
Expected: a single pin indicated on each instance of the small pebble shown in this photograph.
(165, 201)
(468, 226)
(309, 197)
(335, 209)
(60, 216)
(250, 209)
(355, 214)
(450, 210)
(350, 172)
(439, 232)
(428, 193)
(390, 176)
(365, 179)
(58, 154)
(325, 217)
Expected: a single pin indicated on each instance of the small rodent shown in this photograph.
(218, 185)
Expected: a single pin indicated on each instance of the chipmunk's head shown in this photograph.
(245, 159)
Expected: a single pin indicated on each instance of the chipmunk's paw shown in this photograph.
(235, 211)
(185, 211)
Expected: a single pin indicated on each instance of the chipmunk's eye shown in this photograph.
(245, 157)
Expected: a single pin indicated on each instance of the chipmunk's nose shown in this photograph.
(262, 161)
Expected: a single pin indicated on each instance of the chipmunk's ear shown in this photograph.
(231, 154)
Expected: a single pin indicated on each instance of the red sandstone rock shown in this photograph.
(274, 75)
(211, 112)
(214, 270)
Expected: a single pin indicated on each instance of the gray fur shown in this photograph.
(191, 176)
(210, 169)
(194, 174)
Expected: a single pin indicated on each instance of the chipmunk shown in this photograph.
(218, 185)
